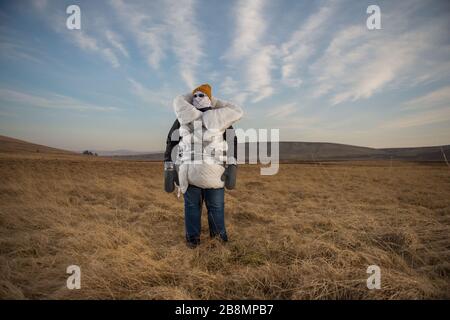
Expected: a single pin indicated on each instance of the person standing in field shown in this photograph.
(205, 160)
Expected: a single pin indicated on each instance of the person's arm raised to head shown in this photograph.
(184, 110)
(226, 114)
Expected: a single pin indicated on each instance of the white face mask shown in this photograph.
(201, 102)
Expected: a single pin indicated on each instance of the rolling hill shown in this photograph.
(12, 145)
(288, 151)
(324, 151)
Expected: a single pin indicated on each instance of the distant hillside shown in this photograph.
(120, 152)
(12, 145)
(324, 151)
(308, 151)
(420, 154)
(334, 151)
(153, 156)
(288, 151)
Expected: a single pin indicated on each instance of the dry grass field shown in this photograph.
(309, 232)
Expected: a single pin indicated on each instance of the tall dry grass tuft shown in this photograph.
(309, 232)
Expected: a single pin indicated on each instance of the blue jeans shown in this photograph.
(193, 202)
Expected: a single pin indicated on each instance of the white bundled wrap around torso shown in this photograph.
(207, 172)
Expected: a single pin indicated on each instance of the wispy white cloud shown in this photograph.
(230, 88)
(158, 96)
(419, 119)
(249, 50)
(287, 116)
(116, 42)
(87, 41)
(14, 47)
(162, 27)
(302, 44)
(282, 111)
(11, 49)
(435, 98)
(91, 44)
(249, 29)
(149, 35)
(359, 63)
(39, 4)
(297, 122)
(259, 73)
(187, 40)
(50, 100)
(432, 107)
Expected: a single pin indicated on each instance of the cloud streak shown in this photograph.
(149, 36)
(91, 44)
(159, 96)
(50, 101)
(282, 111)
(163, 27)
(187, 41)
(420, 119)
(116, 42)
(302, 44)
(435, 98)
(249, 51)
(88, 42)
(359, 63)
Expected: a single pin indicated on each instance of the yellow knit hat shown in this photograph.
(205, 88)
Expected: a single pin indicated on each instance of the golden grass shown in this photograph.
(309, 232)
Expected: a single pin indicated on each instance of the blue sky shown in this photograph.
(310, 68)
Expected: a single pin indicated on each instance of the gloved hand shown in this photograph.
(229, 176)
(170, 176)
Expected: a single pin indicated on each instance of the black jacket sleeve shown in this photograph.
(231, 144)
(173, 138)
